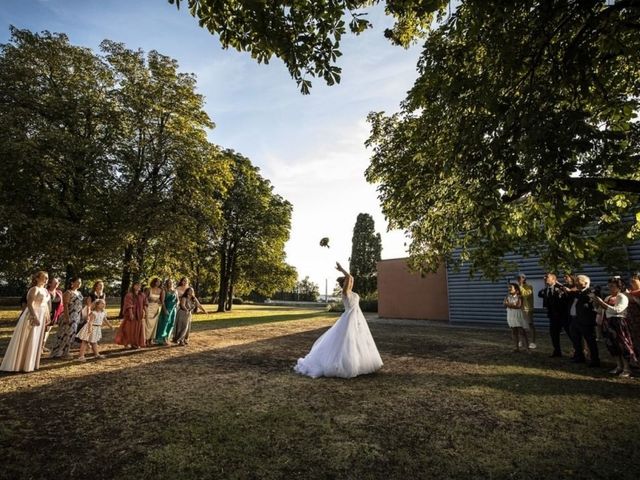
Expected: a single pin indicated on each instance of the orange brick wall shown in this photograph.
(402, 294)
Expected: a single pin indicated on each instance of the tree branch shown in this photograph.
(625, 185)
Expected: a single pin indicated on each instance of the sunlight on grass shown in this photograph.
(240, 315)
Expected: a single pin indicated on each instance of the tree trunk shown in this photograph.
(141, 249)
(232, 275)
(69, 273)
(126, 275)
(230, 297)
(224, 279)
(196, 283)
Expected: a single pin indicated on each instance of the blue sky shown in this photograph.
(310, 147)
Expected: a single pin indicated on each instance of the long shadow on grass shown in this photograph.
(223, 323)
(475, 347)
(240, 407)
(478, 347)
(220, 323)
(278, 354)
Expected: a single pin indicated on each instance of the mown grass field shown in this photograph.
(449, 403)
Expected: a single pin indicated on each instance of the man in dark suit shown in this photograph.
(583, 320)
(555, 301)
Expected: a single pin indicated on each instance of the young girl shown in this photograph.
(97, 293)
(91, 333)
(515, 318)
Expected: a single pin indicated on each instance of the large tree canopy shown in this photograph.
(57, 145)
(520, 135)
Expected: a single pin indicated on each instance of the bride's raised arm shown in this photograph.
(347, 284)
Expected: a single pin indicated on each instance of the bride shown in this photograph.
(347, 349)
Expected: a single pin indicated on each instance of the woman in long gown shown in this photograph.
(189, 305)
(155, 298)
(71, 318)
(131, 331)
(347, 349)
(183, 284)
(633, 315)
(57, 306)
(25, 346)
(168, 314)
(615, 327)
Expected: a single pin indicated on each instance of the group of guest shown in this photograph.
(150, 316)
(579, 310)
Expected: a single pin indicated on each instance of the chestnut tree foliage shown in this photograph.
(305, 34)
(520, 135)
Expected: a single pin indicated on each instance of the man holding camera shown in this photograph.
(582, 313)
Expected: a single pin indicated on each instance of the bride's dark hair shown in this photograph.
(340, 281)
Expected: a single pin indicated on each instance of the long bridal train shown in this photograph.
(346, 350)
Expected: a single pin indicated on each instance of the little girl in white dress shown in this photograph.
(91, 333)
(347, 349)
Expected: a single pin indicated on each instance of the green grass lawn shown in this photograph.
(449, 403)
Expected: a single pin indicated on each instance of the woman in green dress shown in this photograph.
(168, 314)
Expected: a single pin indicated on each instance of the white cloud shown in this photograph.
(327, 188)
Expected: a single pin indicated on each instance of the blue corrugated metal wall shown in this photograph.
(478, 301)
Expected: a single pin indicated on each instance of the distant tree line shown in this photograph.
(304, 291)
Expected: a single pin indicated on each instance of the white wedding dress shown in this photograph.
(346, 350)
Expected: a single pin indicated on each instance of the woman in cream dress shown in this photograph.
(155, 297)
(25, 347)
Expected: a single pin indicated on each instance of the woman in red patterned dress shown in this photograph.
(131, 331)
